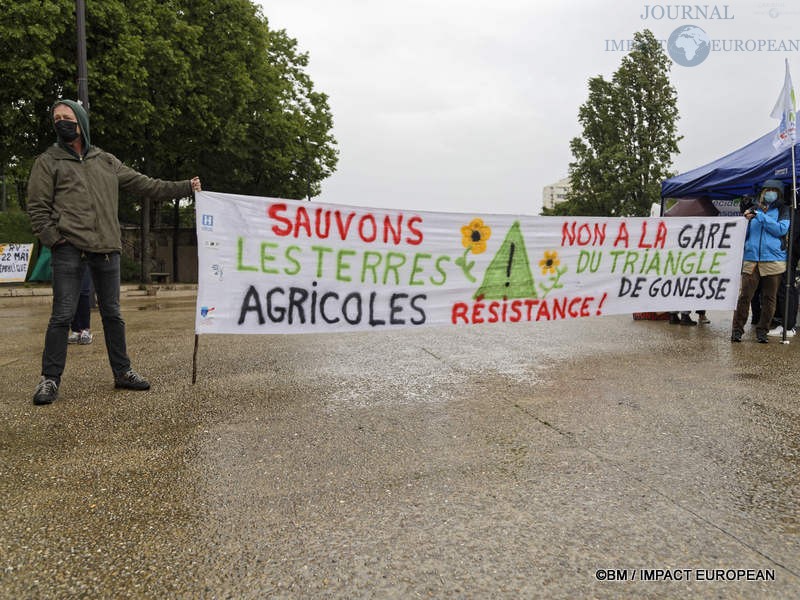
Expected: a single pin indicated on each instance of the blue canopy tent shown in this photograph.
(736, 174)
(740, 173)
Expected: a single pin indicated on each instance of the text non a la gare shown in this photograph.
(595, 234)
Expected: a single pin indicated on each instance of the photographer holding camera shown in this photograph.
(764, 257)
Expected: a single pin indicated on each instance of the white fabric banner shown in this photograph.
(288, 266)
(14, 260)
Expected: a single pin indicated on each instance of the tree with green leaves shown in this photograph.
(198, 85)
(29, 31)
(629, 137)
(176, 88)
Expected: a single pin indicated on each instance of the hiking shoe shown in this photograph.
(687, 320)
(761, 337)
(85, 337)
(703, 319)
(736, 336)
(73, 337)
(131, 380)
(46, 392)
(674, 319)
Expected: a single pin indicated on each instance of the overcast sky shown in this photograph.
(469, 105)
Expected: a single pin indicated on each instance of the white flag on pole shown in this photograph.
(786, 110)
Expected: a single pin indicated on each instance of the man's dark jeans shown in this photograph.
(83, 319)
(68, 262)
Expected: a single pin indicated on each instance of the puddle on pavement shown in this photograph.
(747, 375)
(171, 305)
(149, 307)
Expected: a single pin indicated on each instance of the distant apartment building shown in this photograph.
(555, 193)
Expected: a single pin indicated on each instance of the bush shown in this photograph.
(15, 228)
(130, 271)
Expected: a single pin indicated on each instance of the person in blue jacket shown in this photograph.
(764, 258)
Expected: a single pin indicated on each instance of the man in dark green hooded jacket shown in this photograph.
(73, 203)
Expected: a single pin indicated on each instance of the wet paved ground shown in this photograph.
(492, 462)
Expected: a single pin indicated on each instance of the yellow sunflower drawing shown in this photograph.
(474, 236)
(549, 263)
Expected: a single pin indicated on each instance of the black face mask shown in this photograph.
(67, 130)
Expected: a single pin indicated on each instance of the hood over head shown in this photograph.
(776, 184)
(81, 115)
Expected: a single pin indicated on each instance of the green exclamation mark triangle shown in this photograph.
(509, 273)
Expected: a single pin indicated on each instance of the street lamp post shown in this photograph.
(83, 71)
(309, 145)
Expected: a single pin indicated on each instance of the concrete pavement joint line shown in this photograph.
(566, 434)
(453, 368)
(698, 516)
(666, 497)
(424, 349)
